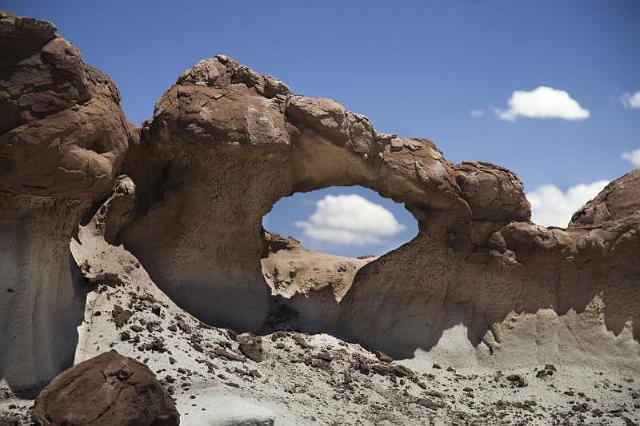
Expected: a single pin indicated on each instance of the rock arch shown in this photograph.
(226, 143)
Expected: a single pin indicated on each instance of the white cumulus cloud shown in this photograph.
(543, 102)
(632, 156)
(550, 206)
(631, 100)
(350, 220)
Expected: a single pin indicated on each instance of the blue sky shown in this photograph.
(363, 238)
(415, 68)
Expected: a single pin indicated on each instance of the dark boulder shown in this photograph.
(109, 389)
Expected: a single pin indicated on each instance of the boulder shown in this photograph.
(109, 390)
(494, 193)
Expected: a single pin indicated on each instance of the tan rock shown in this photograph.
(224, 145)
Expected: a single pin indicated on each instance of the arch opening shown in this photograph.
(315, 244)
(345, 221)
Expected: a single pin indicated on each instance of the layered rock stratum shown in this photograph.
(149, 241)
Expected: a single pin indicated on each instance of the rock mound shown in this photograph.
(229, 143)
(63, 133)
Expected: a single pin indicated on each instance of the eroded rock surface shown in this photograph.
(301, 378)
(63, 137)
(290, 269)
(307, 286)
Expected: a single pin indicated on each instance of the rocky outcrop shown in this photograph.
(226, 143)
(307, 285)
(288, 377)
(617, 203)
(63, 137)
(109, 389)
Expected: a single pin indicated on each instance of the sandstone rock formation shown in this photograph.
(290, 269)
(63, 137)
(318, 379)
(109, 390)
